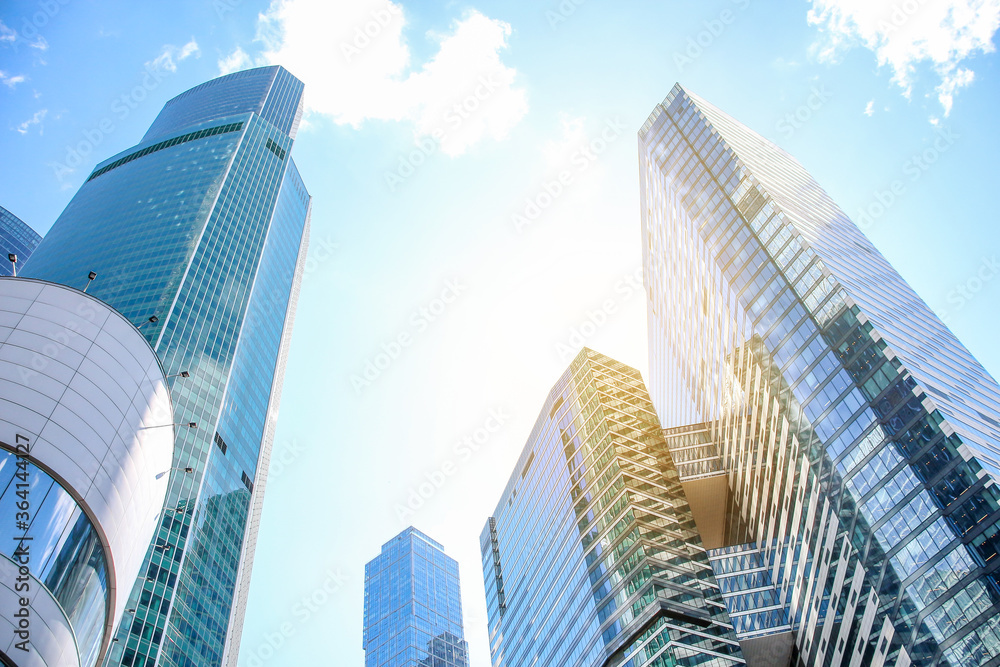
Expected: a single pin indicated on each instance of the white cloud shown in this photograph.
(10, 81)
(870, 108)
(189, 49)
(357, 66)
(34, 120)
(946, 91)
(906, 33)
(6, 34)
(170, 55)
(235, 61)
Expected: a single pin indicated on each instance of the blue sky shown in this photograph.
(425, 243)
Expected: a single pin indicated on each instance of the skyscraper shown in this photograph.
(413, 606)
(198, 234)
(592, 557)
(858, 438)
(16, 238)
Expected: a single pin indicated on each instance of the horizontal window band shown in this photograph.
(183, 139)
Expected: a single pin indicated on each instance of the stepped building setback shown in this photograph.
(592, 556)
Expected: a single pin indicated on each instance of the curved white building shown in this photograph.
(86, 445)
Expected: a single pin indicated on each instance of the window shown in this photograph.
(276, 149)
(248, 482)
(220, 442)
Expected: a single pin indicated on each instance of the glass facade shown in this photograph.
(755, 607)
(65, 552)
(413, 606)
(204, 226)
(15, 237)
(269, 92)
(859, 438)
(592, 556)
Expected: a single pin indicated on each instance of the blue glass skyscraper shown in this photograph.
(857, 439)
(198, 235)
(16, 238)
(413, 606)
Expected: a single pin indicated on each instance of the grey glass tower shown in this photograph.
(16, 238)
(413, 606)
(198, 235)
(592, 557)
(857, 440)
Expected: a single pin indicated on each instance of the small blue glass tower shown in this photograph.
(413, 606)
